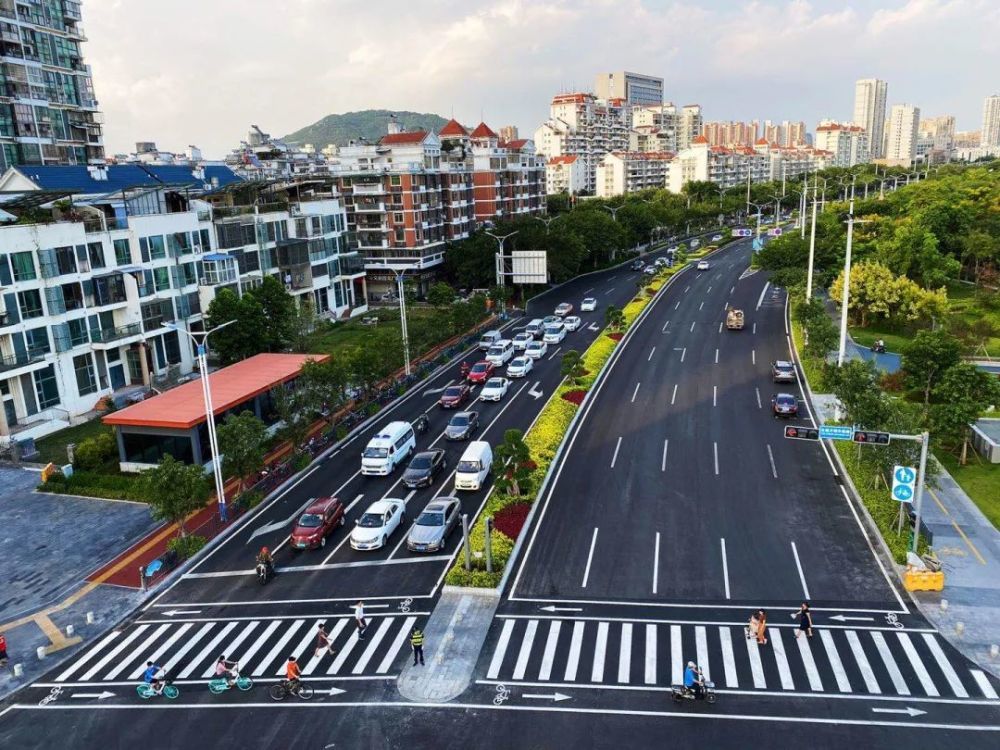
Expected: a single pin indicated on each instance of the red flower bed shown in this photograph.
(510, 520)
(616, 336)
(575, 397)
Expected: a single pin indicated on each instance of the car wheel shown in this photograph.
(385, 539)
(322, 542)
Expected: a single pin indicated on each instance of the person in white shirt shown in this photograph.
(359, 618)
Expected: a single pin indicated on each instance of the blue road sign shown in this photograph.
(904, 480)
(904, 475)
(835, 432)
(742, 233)
(758, 243)
(903, 493)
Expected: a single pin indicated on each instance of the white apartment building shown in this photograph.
(654, 128)
(726, 167)
(940, 131)
(901, 135)
(847, 143)
(565, 174)
(634, 88)
(623, 172)
(869, 111)
(990, 137)
(787, 163)
(689, 125)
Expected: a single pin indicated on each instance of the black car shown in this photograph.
(423, 468)
(462, 425)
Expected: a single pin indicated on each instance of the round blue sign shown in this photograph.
(902, 492)
(905, 475)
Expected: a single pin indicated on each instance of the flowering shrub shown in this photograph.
(510, 520)
(575, 396)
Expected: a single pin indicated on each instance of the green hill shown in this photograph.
(370, 124)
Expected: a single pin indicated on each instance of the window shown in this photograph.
(23, 265)
(123, 252)
(85, 380)
(395, 180)
(152, 248)
(161, 279)
(189, 274)
(172, 347)
(65, 260)
(180, 244)
(37, 340)
(77, 331)
(95, 253)
(150, 449)
(46, 387)
(30, 303)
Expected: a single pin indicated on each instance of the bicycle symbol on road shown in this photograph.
(502, 696)
(404, 606)
(53, 694)
(893, 620)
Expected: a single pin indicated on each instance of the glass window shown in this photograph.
(123, 252)
(206, 240)
(23, 265)
(46, 387)
(152, 248)
(161, 278)
(180, 243)
(77, 331)
(37, 340)
(30, 303)
(85, 380)
(95, 252)
(395, 180)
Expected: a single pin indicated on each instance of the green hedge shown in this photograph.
(96, 484)
(186, 546)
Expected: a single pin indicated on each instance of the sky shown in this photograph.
(202, 71)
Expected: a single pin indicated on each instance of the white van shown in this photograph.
(534, 328)
(488, 339)
(390, 447)
(474, 466)
(501, 352)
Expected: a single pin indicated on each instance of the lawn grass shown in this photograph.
(979, 479)
(52, 448)
(894, 340)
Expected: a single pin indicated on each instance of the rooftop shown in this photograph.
(107, 179)
(184, 406)
(397, 139)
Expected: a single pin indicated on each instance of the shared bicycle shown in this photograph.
(281, 690)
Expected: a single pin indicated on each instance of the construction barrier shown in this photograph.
(923, 580)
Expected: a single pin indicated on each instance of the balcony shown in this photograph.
(105, 337)
(13, 361)
(369, 207)
(104, 224)
(368, 188)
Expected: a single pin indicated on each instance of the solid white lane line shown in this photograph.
(650, 354)
(753, 356)
(676, 656)
(715, 395)
(154, 657)
(945, 666)
(501, 649)
(521, 666)
(890, 664)
(649, 676)
(770, 457)
(573, 660)
(715, 454)
(918, 665)
(117, 650)
(663, 462)
(673, 396)
(871, 684)
(590, 559)
(600, 652)
(550, 650)
(625, 653)
(802, 576)
(656, 562)
(843, 684)
(716, 356)
(369, 652)
(397, 644)
(984, 684)
(692, 325)
(188, 645)
(725, 566)
(684, 352)
(763, 291)
(278, 648)
(332, 635)
(781, 658)
(701, 648)
(614, 458)
(229, 649)
(759, 404)
(756, 667)
(815, 683)
(637, 386)
(206, 652)
(728, 658)
(701, 305)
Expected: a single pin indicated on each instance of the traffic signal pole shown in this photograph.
(924, 438)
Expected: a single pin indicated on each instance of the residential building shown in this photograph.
(565, 174)
(48, 111)
(941, 130)
(689, 125)
(654, 128)
(508, 133)
(991, 121)
(869, 111)
(731, 134)
(634, 88)
(794, 134)
(901, 135)
(788, 162)
(623, 172)
(967, 138)
(848, 143)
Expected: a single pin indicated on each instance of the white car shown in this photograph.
(376, 525)
(716, 237)
(536, 349)
(554, 334)
(649, 270)
(519, 367)
(495, 389)
(563, 309)
(660, 262)
(501, 352)
(695, 243)
(572, 323)
(704, 265)
(588, 305)
(521, 340)
(673, 249)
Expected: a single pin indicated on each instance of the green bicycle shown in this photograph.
(221, 684)
(146, 691)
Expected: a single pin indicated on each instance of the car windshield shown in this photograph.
(421, 462)
(468, 466)
(310, 520)
(480, 367)
(495, 350)
(370, 520)
(519, 362)
(454, 392)
(535, 345)
(786, 400)
(428, 518)
(494, 383)
(371, 452)
(459, 420)
(553, 329)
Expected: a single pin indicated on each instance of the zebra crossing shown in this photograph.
(189, 650)
(652, 654)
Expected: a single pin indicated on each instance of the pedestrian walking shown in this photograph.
(359, 618)
(761, 627)
(323, 641)
(751, 628)
(417, 642)
(3, 650)
(805, 620)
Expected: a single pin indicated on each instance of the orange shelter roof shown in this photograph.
(183, 407)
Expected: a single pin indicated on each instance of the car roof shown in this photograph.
(786, 395)
(455, 385)
(381, 506)
(463, 414)
(320, 504)
(522, 334)
(536, 344)
(429, 454)
(590, 299)
(440, 504)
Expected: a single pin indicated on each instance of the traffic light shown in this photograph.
(801, 433)
(871, 438)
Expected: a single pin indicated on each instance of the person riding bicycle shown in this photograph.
(226, 669)
(693, 680)
(264, 558)
(292, 674)
(152, 677)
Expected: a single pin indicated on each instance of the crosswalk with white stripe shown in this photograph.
(188, 650)
(843, 661)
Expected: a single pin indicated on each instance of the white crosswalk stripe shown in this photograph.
(230, 648)
(135, 653)
(305, 645)
(154, 657)
(404, 631)
(841, 661)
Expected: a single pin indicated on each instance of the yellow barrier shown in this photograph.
(48, 471)
(923, 580)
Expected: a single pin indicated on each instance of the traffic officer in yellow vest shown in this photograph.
(417, 642)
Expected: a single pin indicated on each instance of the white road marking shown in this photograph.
(701, 648)
(573, 660)
(759, 405)
(231, 648)
(246, 658)
(754, 330)
(525, 653)
(692, 325)
(600, 652)
(753, 356)
(397, 644)
(677, 305)
(843, 684)
(815, 683)
(650, 671)
(686, 289)
(720, 326)
(756, 667)
(890, 664)
(369, 652)
(984, 684)
(590, 559)
(651, 354)
(770, 457)
(501, 649)
(278, 648)
(550, 650)
(715, 395)
(701, 305)
(778, 648)
(117, 650)
(664, 329)
(673, 396)
(332, 636)
(918, 665)
(945, 666)
(663, 461)
(732, 288)
(618, 445)
(656, 562)
(862, 661)
(88, 656)
(154, 657)
(684, 352)
(725, 565)
(637, 388)
(802, 576)
(625, 653)
(301, 647)
(762, 293)
(728, 658)
(715, 453)
(716, 356)
(588, 291)
(558, 349)
(676, 656)
(205, 652)
(610, 290)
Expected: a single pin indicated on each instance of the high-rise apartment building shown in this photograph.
(869, 111)
(731, 134)
(990, 135)
(629, 171)
(508, 133)
(634, 88)
(794, 134)
(846, 142)
(689, 125)
(940, 131)
(901, 135)
(48, 111)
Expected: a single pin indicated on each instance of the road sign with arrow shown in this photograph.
(904, 482)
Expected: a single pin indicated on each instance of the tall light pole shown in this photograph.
(803, 206)
(812, 241)
(777, 208)
(500, 258)
(615, 209)
(851, 221)
(547, 220)
(759, 207)
(404, 330)
(200, 339)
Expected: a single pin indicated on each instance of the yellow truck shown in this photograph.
(734, 319)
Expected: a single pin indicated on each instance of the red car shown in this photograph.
(322, 516)
(454, 396)
(481, 372)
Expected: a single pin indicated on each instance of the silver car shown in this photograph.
(429, 533)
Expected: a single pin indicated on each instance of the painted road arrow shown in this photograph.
(551, 696)
(535, 394)
(845, 618)
(909, 711)
(172, 612)
(336, 691)
(100, 696)
(434, 391)
(554, 608)
(593, 327)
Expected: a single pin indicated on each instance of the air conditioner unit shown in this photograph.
(203, 281)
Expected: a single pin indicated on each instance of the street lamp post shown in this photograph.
(777, 209)
(547, 220)
(759, 207)
(851, 221)
(404, 331)
(200, 340)
(812, 242)
(803, 206)
(500, 259)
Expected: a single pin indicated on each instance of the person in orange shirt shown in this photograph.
(292, 674)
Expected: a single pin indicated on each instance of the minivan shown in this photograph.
(488, 339)
(501, 352)
(474, 466)
(387, 449)
(534, 328)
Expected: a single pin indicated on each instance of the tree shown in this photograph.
(304, 322)
(440, 295)
(962, 394)
(614, 318)
(241, 443)
(572, 366)
(855, 384)
(326, 383)
(515, 458)
(926, 358)
(297, 409)
(279, 313)
(821, 333)
(175, 490)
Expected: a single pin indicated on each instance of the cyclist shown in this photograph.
(292, 674)
(226, 669)
(152, 677)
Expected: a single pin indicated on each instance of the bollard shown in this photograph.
(959, 628)
(18, 670)
(69, 631)
(40, 652)
(90, 618)
(994, 651)
(944, 605)
(142, 579)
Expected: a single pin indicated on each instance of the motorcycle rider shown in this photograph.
(693, 680)
(465, 369)
(264, 558)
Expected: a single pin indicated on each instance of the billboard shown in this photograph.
(529, 267)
